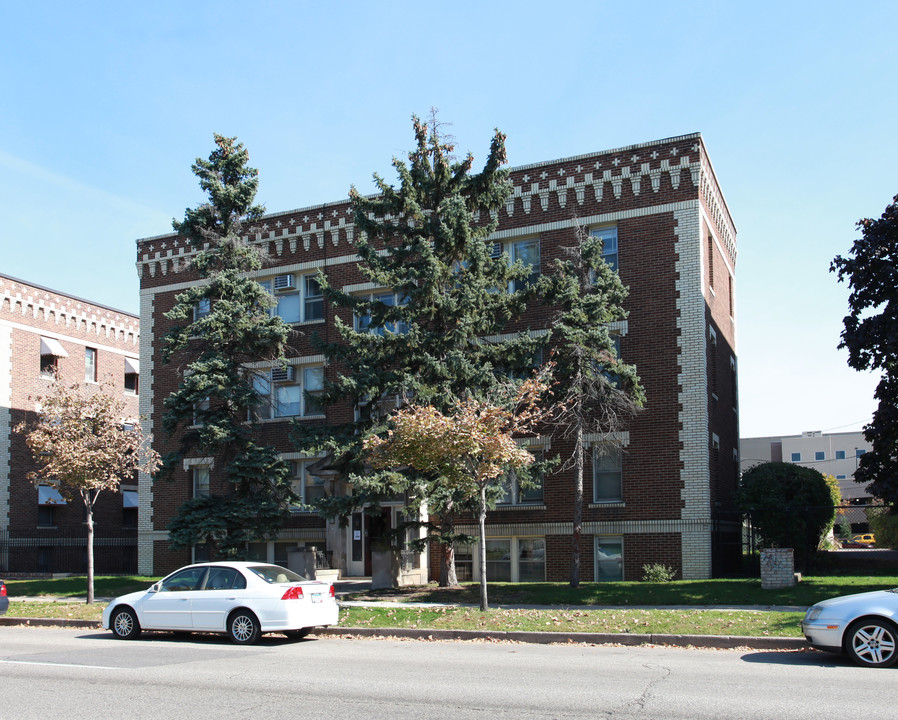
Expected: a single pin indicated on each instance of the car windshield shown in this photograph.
(275, 574)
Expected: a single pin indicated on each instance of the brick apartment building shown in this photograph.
(665, 497)
(48, 336)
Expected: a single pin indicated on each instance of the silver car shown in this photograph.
(864, 626)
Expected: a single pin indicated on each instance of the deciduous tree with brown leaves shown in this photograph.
(470, 447)
(83, 446)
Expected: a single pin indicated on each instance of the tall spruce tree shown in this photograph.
(223, 324)
(433, 334)
(597, 392)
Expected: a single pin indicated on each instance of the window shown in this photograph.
(819, 455)
(47, 499)
(711, 262)
(199, 412)
(840, 454)
(841, 477)
(515, 559)
(796, 457)
(132, 376)
(309, 487)
(527, 251)
(189, 579)
(221, 578)
(608, 236)
(859, 451)
(129, 509)
(200, 480)
(49, 367)
(289, 392)
(46, 516)
(609, 559)
(390, 299)
(515, 494)
(90, 365)
(296, 302)
(607, 473)
(202, 308)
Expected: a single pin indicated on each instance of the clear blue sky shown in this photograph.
(105, 106)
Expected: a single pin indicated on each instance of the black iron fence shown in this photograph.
(64, 553)
(737, 542)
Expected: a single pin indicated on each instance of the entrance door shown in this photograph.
(376, 527)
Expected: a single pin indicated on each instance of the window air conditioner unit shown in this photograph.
(283, 375)
(284, 282)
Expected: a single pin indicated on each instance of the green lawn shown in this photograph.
(568, 615)
(684, 592)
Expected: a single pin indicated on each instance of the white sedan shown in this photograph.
(242, 599)
(865, 626)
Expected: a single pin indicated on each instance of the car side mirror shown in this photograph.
(155, 587)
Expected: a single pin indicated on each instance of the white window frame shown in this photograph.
(513, 249)
(91, 362)
(610, 246)
(515, 544)
(300, 476)
(398, 328)
(202, 308)
(271, 408)
(606, 450)
(512, 497)
(600, 540)
(201, 480)
(310, 304)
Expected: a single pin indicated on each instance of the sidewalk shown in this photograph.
(352, 586)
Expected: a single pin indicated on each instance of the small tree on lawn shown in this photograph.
(790, 506)
(82, 446)
(223, 326)
(598, 392)
(469, 449)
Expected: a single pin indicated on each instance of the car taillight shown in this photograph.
(331, 592)
(3, 589)
(293, 593)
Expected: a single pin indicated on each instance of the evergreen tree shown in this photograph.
(432, 334)
(871, 337)
(597, 392)
(221, 325)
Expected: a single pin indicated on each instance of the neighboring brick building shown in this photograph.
(45, 335)
(667, 498)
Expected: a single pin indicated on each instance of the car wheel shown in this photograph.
(297, 634)
(243, 627)
(124, 624)
(872, 643)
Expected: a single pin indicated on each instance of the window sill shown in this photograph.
(607, 504)
(520, 506)
(306, 322)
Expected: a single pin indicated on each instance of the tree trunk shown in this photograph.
(578, 506)
(484, 603)
(90, 549)
(448, 576)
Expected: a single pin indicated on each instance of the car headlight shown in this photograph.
(813, 613)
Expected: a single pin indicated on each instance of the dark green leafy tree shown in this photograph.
(871, 336)
(437, 333)
(790, 506)
(596, 392)
(221, 325)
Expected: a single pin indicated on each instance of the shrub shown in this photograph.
(884, 525)
(657, 572)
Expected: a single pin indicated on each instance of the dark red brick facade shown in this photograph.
(676, 254)
(35, 537)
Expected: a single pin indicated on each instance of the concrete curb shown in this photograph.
(704, 641)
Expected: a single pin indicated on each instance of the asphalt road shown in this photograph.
(70, 673)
